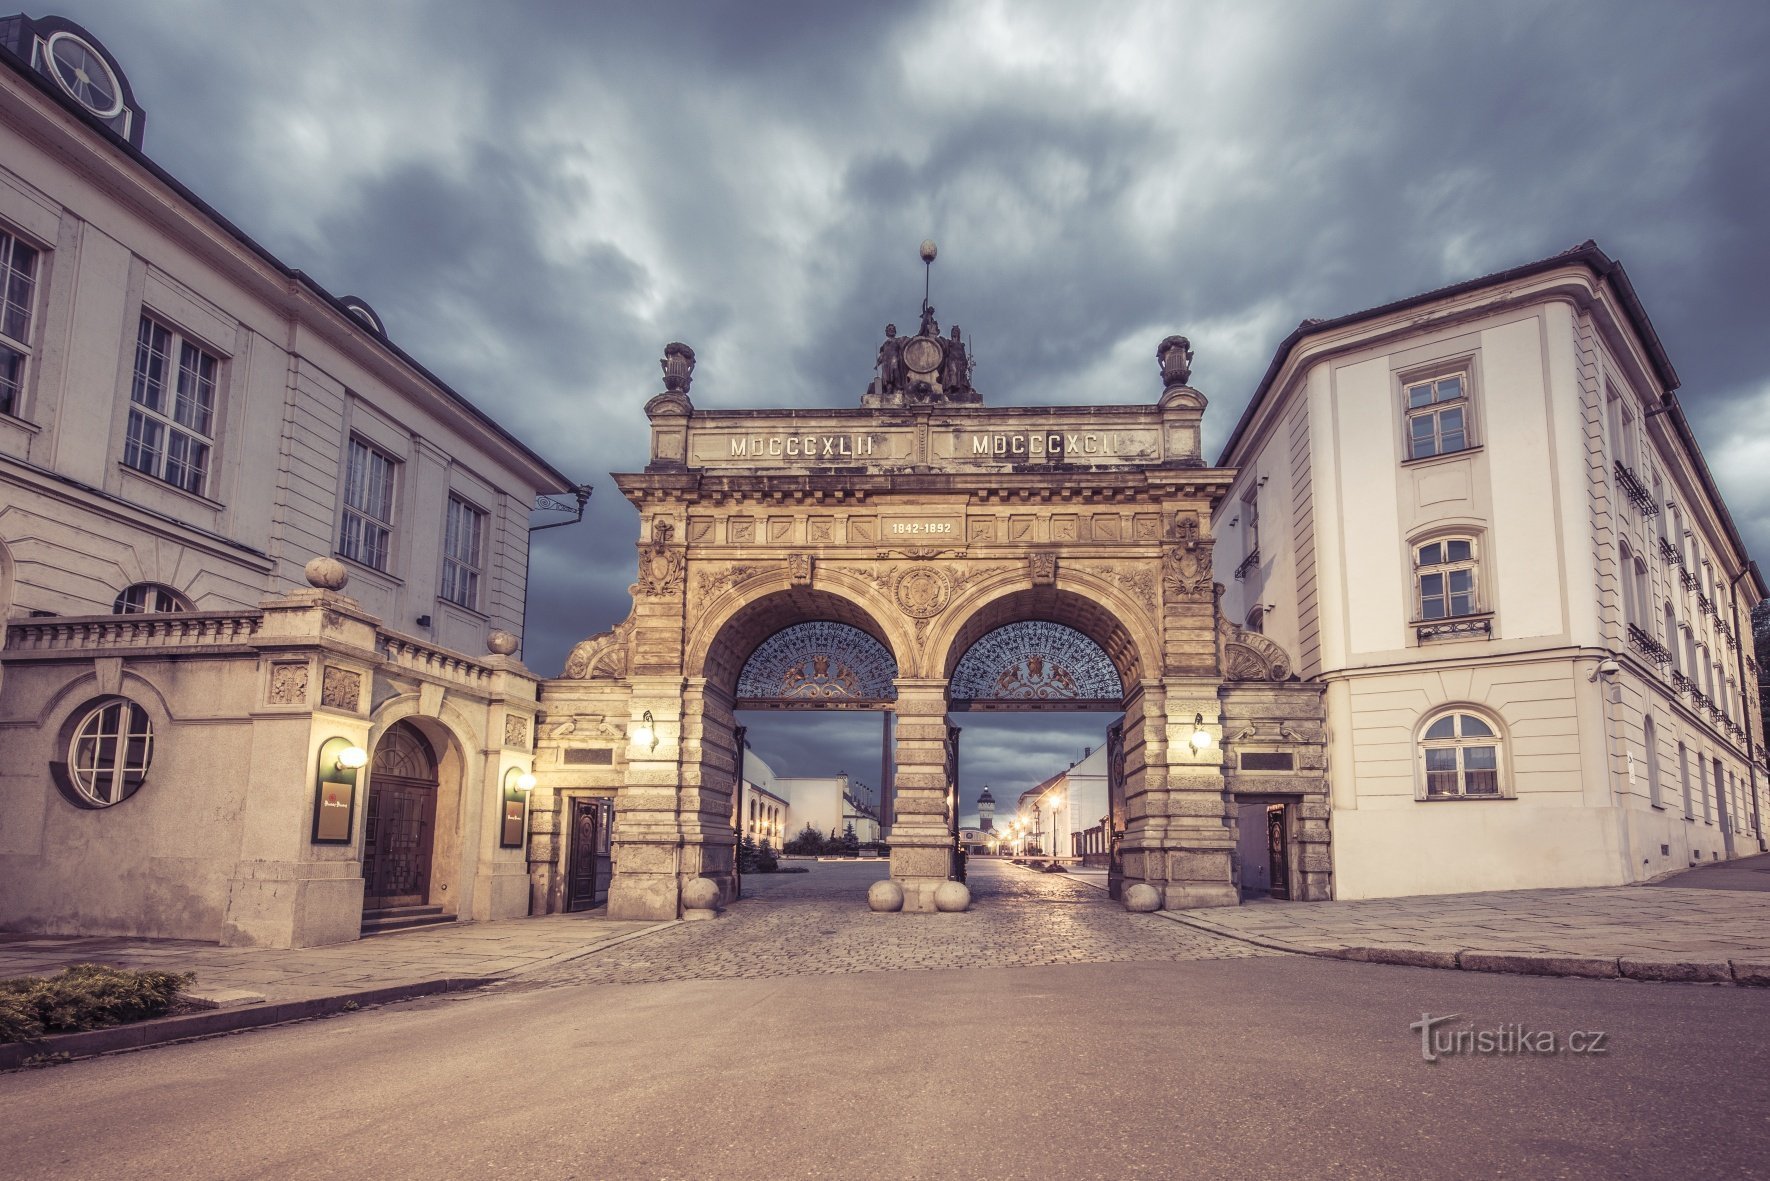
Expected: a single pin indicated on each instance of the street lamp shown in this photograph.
(1201, 738)
(646, 733)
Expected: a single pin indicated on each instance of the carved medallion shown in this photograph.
(922, 592)
(922, 354)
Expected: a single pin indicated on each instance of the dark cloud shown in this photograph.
(537, 196)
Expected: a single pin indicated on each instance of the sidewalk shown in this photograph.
(1669, 932)
(250, 986)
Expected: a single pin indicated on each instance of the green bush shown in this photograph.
(85, 996)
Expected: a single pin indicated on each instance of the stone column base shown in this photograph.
(1198, 895)
(920, 869)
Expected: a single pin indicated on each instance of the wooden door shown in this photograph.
(399, 827)
(1279, 851)
(590, 869)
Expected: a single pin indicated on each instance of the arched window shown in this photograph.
(1684, 776)
(1460, 757)
(1652, 761)
(1672, 639)
(1445, 582)
(108, 758)
(148, 597)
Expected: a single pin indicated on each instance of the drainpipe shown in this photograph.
(1745, 705)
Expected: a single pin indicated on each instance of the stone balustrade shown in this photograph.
(89, 633)
(428, 660)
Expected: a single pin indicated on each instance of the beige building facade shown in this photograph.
(200, 449)
(1479, 519)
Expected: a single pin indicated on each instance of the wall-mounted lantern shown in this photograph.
(646, 733)
(1201, 737)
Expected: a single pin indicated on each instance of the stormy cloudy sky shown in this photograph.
(536, 197)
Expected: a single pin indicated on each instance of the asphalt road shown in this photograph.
(1263, 1067)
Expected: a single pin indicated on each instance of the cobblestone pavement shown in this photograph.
(818, 924)
(1667, 924)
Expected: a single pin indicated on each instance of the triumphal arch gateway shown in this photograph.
(923, 554)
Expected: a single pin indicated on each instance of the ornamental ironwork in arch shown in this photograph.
(1037, 662)
(403, 752)
(821, 662)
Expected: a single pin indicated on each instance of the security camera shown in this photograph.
(1608, 667)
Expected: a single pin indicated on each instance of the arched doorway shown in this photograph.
(399, 826)
(1073, 662)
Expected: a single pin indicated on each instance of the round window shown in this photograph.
(110, 753)
(85, 75)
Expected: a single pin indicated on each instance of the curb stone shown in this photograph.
(1747, 973)
(237, 1013)
(212, 1022)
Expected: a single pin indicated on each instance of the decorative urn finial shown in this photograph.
(678, 366)
(1175, 357)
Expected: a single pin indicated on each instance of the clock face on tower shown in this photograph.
(84, 75)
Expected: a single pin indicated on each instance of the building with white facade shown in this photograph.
(1480, 517)
(192, 432)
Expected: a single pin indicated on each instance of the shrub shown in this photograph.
(809, 843)
(85, 996)
(766, 859)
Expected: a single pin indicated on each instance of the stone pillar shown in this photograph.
(711, 767)
(647, 845)
(317, 658)
(921, 842)
(1199, 834)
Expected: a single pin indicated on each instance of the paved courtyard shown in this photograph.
(818, 923)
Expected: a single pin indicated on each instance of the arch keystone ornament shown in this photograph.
(904, 556)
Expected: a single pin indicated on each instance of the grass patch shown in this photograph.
(85, 996)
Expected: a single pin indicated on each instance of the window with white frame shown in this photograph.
(109, 756)
(148, 597)
(366, 533)
(1460, 757)
(1622, 431)
(1438, 413)
(18, 289)
(1659, 498)
(1446, 582)
(463, 554)
(1672, 645)
(172, 408)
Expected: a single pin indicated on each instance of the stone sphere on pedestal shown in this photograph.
(1143, 898)
(952, 897)
(327, 574)
(885, 896)
(501, 643)
(700, 894)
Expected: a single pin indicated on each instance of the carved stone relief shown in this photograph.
(1042, 568)
(340, 688)
(516, 731)
(713, 581)
(1186, 565)
(799, 569)
(288, 684)
(602, 655)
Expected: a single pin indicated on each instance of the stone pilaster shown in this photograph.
(648, 824)
(921, 842)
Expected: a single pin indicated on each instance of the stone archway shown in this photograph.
(924, 520)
